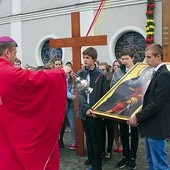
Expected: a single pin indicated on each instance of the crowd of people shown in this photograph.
(103, 136)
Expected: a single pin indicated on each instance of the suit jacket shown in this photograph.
(154, 119)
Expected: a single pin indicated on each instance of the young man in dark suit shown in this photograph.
(92, 125)
(154, 119)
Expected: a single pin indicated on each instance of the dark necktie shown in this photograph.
(153, 74)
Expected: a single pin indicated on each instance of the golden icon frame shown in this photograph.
(133, 73)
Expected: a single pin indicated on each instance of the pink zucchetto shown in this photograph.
(6, 39)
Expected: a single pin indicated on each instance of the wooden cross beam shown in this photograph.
(76, 42)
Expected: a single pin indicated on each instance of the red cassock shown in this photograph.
(32, 109)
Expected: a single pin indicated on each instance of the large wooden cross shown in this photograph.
(76, 42)
(166, 29)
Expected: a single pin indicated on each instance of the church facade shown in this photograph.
(33, 23)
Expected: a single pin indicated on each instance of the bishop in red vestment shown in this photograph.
(32, 108)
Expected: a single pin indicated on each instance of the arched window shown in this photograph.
(133, 40)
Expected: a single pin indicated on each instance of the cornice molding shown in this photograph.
(81, 7)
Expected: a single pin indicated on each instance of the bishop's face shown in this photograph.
(10, 55)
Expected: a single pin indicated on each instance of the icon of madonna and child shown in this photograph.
(126, 96)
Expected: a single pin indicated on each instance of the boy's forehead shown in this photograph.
(126, 56)
(87, 56)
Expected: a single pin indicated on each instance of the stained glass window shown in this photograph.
(49, 54)
(131, 40)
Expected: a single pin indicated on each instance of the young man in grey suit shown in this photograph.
(154, 119)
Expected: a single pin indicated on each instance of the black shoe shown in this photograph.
(87, 162)
(131, 164)
(61, 144)
(122, 163)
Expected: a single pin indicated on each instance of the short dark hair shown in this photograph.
(156, 50)
(128, 51)
(7, 45)
(91, 52)
(68, 63)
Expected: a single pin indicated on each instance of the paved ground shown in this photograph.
(71, 161)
